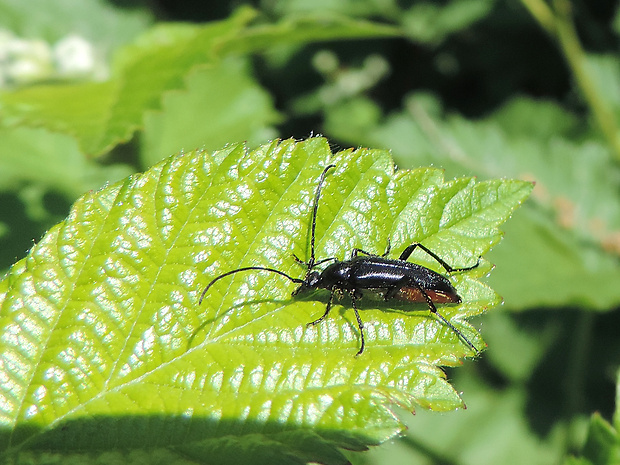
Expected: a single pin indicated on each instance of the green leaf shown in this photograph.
(104, 346)
(223, 103)
(94, 20)
(36, 157)
(602, 445)
(102, 114)
(493, 430)
(430, 22)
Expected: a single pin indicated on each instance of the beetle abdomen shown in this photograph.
(413, 294)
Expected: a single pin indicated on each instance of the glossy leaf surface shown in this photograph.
(104, 345)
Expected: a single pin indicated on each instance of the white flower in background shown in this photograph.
(23, 61)
(74, 57)
(27, 61)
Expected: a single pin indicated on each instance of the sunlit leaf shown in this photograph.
(104, 346)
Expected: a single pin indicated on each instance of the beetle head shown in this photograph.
(310, 282)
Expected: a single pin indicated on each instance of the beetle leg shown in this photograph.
(409, 250)
(356, 251)
(327, 309)
(387, 249)
(391, 292)
(310, 265)
(433, 310)
(360, 325)
(320, 262)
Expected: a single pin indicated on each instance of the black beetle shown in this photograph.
(393, 278)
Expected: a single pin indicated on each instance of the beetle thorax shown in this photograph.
(337, 274)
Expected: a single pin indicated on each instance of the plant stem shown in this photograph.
(559, 24)
(542, 13)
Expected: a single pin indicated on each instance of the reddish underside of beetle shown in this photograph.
(413, 294)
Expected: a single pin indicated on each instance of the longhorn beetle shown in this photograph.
(394, 278)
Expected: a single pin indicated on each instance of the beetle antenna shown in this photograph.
(312, 263)
(247, 268)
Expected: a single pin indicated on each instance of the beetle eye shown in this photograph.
(313, 279)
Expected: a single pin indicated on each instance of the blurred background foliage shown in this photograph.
(93, 91)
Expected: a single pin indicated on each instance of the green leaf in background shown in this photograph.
(222, 103)
(424, 22)
(489, 431)
(94, 20)
(432, 23)
(98, 324)
(49, 161)
(101, 115)
(602, 446)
